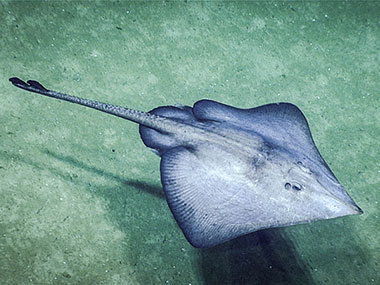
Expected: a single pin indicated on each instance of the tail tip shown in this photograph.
(30, 85)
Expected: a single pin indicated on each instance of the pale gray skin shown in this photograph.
(227, 172)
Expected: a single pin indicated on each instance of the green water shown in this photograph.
(81, 200)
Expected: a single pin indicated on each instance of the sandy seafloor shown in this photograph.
(81, 200)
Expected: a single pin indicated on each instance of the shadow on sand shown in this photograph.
(263, 257)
